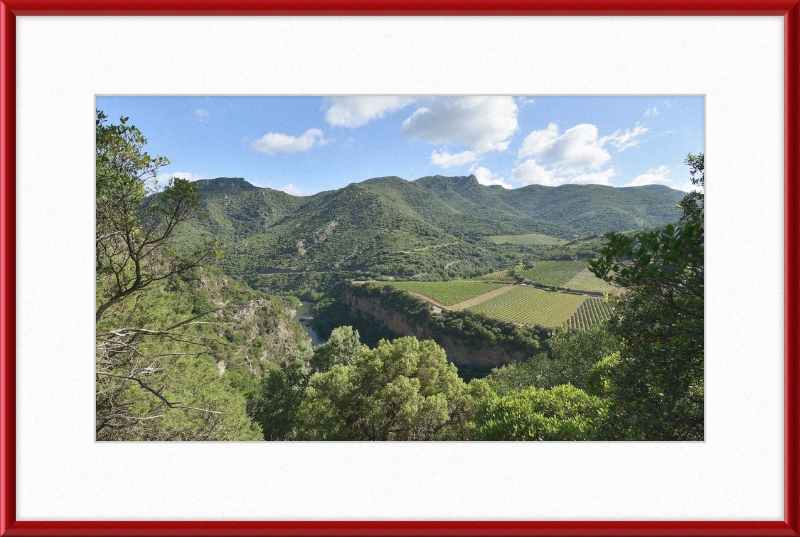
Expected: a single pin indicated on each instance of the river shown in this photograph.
(306, 312)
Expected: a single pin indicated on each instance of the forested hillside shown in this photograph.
(382, 221)
(585, 208)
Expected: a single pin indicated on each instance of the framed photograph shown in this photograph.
(535, 128)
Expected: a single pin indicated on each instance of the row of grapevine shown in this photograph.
(590, 313)
(586, 281)
(499, 276)
(554, 272)
(530, 306)
(447, 293)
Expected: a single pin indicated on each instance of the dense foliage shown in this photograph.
(561, 413)
(572, 356)
(165, 327)
(401, 390)
(659, 377)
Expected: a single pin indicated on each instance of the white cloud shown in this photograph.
(576, 149)
(525, 101)
(653, 176)
(274, 142)
(531, 173)
(291, 189)
(662, 133)
(202, 115)
(446, 160)
(356, 111)
(485, 177)
(163, 178)
(598, 178)
(650, 112)
(481, 123)
(624, 141)
(689, 187)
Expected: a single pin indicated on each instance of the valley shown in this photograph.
(456, 244)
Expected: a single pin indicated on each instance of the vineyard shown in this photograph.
(447, 293)
(530, 306)
(500, 276)
(590, 313)
(586, 281)
(554, 272)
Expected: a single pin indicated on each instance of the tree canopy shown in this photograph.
(658, 377)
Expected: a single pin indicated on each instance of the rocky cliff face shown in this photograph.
(457, 352)
(259, 319)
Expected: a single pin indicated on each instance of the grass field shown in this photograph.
(530, 306)
(526, 240)
(554, 272)
(590, 313)
(586, 281)
(448, 293)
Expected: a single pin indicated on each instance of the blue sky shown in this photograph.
(304, 145)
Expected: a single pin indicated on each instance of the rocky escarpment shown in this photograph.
(460, 353)
(258, 328)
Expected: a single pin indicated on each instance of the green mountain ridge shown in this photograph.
(387, 221)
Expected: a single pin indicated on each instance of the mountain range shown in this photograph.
(384, 220)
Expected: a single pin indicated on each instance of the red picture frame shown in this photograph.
(788, 9)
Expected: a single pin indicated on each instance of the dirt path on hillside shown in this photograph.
(467, 303)
(425, 248)
(429, 299)
(481, 298)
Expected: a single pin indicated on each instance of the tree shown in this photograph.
(135, 218)
(561, 413)
(402, 390)
(282, 392)
(658, 379)
(155, 369)
(573, 355)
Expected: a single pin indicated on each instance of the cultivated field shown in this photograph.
(499, 276)
(590, 313)
(554, 272)
(447, 293)
(530, 306)
(586, 281)
(526, 240)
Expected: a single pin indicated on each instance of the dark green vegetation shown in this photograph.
(187, 352)
(657, 380)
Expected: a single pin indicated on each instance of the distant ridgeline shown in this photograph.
(390, 222)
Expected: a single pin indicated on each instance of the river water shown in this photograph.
(306, 312)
